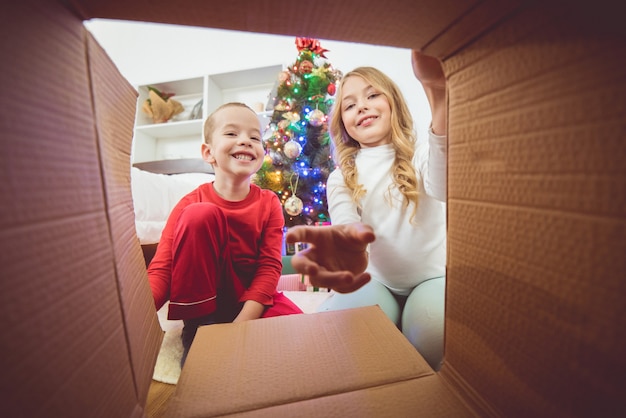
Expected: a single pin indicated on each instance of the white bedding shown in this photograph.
(154, 196)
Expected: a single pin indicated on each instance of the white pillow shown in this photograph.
(154, 197)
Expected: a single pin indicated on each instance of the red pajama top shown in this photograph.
(256, 231)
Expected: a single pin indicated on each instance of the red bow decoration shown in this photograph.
(312, 45)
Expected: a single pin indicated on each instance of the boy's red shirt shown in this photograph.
(256, 233)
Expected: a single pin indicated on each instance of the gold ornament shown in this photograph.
(317, 117)
(292, 149)
(293, 117)
(293, 206)
(306, 67)
(267, 161)
(283, 76)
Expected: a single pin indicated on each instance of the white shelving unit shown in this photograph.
(181, 137)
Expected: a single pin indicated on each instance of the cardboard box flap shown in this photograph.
(114, 103)
(393, 23)
(254, 364)
(535, 311)
(64, 348)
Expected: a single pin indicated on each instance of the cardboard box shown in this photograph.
(333, 364)
(536, 212)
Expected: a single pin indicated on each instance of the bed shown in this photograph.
(156, 187)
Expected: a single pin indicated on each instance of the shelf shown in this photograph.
(188, 102)
(247, 86)
(179, 87)
(172, 129)
(247, 78)
(182, 137)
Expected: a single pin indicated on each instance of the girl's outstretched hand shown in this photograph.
(336, 257)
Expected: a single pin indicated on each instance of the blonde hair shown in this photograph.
(403, 139)
(209, 123)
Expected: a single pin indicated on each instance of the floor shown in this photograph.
(158, 398)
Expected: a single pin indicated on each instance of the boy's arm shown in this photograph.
(269, 263)
(160, 268)
(159, 275)
(251, 310)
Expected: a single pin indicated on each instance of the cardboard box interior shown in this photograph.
(536, 211)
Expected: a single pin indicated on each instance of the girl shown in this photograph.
(388, 193)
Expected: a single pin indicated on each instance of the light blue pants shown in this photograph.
(421, 320)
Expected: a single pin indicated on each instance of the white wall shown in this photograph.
(148, 53)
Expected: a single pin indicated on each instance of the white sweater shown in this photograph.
(403, 254)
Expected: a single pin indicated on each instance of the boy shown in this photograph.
(219, 257)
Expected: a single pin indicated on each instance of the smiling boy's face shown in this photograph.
(236, 146)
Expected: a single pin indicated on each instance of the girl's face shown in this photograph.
(365, 113)
(236, 146)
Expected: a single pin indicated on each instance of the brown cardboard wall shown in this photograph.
(64, 343)
(394, 23)
(536, 213)
(536, 218)
(114, 103)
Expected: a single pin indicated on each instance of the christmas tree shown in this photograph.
(298, 157)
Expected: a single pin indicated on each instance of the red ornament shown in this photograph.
(331, 89)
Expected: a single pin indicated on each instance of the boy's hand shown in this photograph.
(336, 257)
